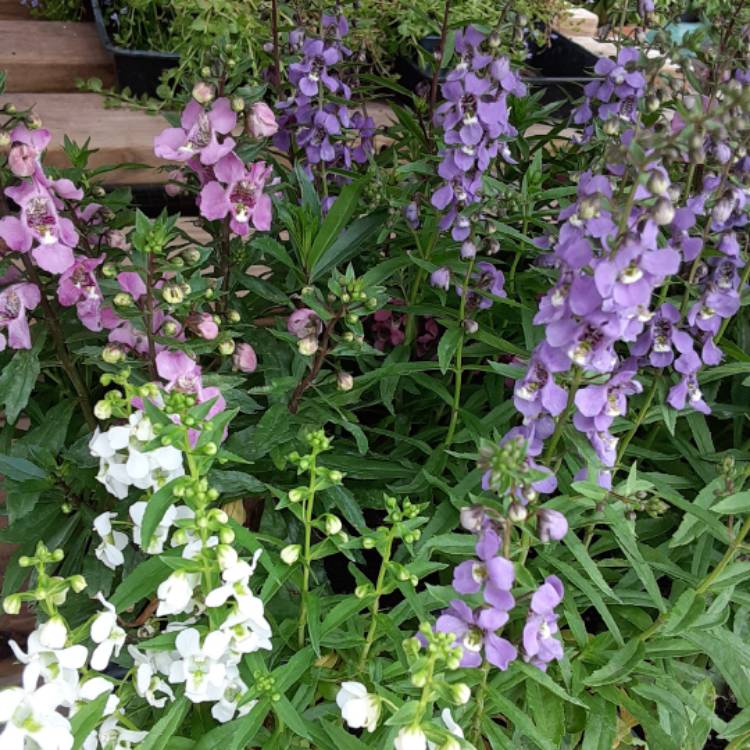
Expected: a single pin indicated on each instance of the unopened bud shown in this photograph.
(123, 299)
(172, 294)
(5, 139)
(233, 316)
(663, 211)
(308, 345)
(191, 255)
(226, 347)
(332, 524)
(471, 326)
(77, 583)
(344, 381)
(657, 183)
(238, 104)
(461, 693)
(103, 410)
(109, 270)
(203, 92)
(290, 554)
(517, 513)
(12, 604)
(113, 354)
(169, 328)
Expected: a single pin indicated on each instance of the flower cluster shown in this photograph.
(230, 189)
(329, 132)
(474, 123)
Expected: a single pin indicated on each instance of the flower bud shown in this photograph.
(451, 743)
(123, 299)
(245, 359)
(517, 513)
(332, 524)
(172, 294)
(203, 325)
(109, 270)
(113, 354)
(12, 604)
(261, 121)
(308, 345)
(363, 590)
(238, 104)
(226, 536)
(53, 633)
(472, 518)
(468, 250)
(233, 316)
(290, 554)
(226, 347)
(610, 127)
(103, 410)
(461, 693)
(191, 255)
(551, 525)
(5, 139)
(203, 92)
(34, 122)
(368, 542)
(470, 326)
(657, 183)
(344, 381)
(663, 211)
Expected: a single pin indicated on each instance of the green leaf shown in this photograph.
(336, 219)
(236, 734)
(734, 504)
(523, 723)
(626, 539)
(290, 716)
(156, 508)
(619, 666)
(84, 721)
(536, 674)
(447, 347)
(601, 724)
(233, 483)
(688, 607)
(19, 469)
(140, 583)
(159, 735)
(313, 621)
(18, 379)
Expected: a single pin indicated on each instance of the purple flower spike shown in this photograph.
(539, 644)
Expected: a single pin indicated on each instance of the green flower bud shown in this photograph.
(103, 410)
(291, 553)
(12, 604)
(332, 524)
(77, 583)
(226, 347)
(172, 294)
(123, 299)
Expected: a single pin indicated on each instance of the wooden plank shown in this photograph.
(44, 56)
(600, 49)
(12, 9)
(121, 135)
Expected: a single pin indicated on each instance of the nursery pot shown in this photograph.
(564, 68)
(138, 70)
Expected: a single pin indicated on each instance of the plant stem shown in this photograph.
(66, 360)
(375, 606)
(638, 420)
(308, 516)
(476, 731)
(705, 584)
(458, 369)
(150, 316)
(276, 51)
(557, 434)
(439, 60)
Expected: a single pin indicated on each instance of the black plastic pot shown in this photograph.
(563, 66)
(138, 70)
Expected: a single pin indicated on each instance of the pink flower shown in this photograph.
(15, 300)
(244, 358)
(198, 134)
(203, 325)
(39, 223)
(261, 121)
(183, 374)
(78, 286)
(132, 283)
(125, 333)
(23, 159)
(303, 323)
(243, 197)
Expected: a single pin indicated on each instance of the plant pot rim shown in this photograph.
(110, 46)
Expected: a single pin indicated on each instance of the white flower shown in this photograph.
(114, 737)
(109, 636)
(147, 682)
(410, 738)
(113, 542)
(235, 576)
(124, 462)
(57, 666)
(247, 631)
(31, 720)
(225, 708)
(450, 725)
(92, 689)
(53, 633)
(161, 533)
(201, 667)
(176, 593)
(359, 709)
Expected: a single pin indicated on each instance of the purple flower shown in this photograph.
(199, 133)
(15, 301)
(598, 405)
(241, 196)
(441, 278)
(475, 631)
(486, 280)
(313, 68)
(303, 323)
(551, 525)
(539, 644)
(491, 573)
(661, 337)
(78, 286)
(537, 391)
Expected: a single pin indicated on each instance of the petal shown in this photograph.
(54, 258)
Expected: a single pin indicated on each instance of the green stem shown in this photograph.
(625, 442)
(458, 369)
(557, 434)
(308, 516)
(375, 606)
(705, 584)
(476, 731)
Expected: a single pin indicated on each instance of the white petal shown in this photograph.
(119, 437)
(136, 512)
(102, 626)
(73, 657)
(95, 687)
(101, 656)
(9, 701)
(188, 642)
(215, 644)
(103, 523)
(137, 465)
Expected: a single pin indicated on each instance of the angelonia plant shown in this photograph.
(426, 428)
